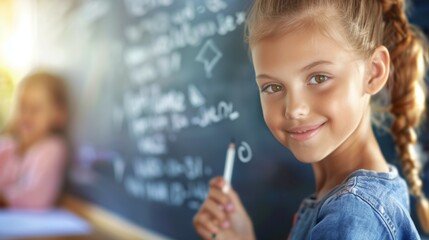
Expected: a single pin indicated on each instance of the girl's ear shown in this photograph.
(379, 70)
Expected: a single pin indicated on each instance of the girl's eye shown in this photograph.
(272, 88)
(318, 79)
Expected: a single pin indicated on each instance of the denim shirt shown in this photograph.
(367, 205)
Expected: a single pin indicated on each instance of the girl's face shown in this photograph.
(311, 90)
(37, 114)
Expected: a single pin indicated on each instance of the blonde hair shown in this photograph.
(57, 91)
(366, 25)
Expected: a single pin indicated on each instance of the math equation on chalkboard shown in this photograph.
(168, 103)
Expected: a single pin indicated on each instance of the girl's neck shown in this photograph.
(359, 151)
(23, 145)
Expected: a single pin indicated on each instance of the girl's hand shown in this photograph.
(222, 216)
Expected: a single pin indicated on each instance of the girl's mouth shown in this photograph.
(305, 133)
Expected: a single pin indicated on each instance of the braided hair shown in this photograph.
(406, 46)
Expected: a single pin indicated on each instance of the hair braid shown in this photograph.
(408, 50)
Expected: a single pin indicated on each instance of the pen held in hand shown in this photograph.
(229, 165)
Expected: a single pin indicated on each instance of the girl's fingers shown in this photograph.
(233, 195)
(204, 233)
(216, 210)
(218, 196)
(213, 214)
(217, 182)
(205, 226)
(205, 221)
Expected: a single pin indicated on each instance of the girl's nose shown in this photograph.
(296, 106)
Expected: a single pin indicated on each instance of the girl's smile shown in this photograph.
(304, 133)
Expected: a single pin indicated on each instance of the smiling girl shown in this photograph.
(318, 64)
(33, 149)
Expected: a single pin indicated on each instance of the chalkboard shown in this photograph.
(160, 88)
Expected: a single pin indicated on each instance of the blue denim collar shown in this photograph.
(392, 174)
(311, 201)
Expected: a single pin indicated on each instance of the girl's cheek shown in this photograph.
(273, 112)
(324, 104)
(327, 101)
(271, 107)
(340, 103)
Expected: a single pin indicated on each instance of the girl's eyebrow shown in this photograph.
(314, 64)
(266, 76)
(306, 68)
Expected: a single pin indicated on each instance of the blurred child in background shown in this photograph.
(33, 147)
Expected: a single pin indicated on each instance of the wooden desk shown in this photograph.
(106, 225)
(93, 236)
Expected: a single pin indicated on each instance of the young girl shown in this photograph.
(33, 150)
(318, 63)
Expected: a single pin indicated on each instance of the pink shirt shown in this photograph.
(32, 181)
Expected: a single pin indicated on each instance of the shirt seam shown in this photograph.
(384, 217)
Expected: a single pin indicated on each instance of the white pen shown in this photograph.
(229, 165)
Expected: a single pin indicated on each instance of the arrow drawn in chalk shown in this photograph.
(209, 55)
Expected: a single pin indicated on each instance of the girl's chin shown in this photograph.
(27, 138)
(308, 160)
(307, 156)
